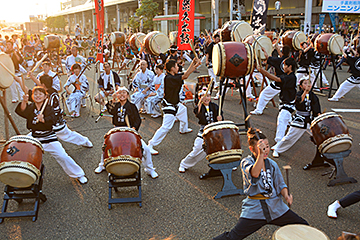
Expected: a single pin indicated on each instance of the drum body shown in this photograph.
(270, 34)
(156, 42)
(122, 151)
(173, 37)
(117, 38)
(51, 41)
(6, 78)
(232, 59)
(330, 133)
(299, 232)
(235, 31)
(293, 39)
(21, 161)
(136, 40)
(203, 79)
(222, 141)
(329, 43)
(260, 41)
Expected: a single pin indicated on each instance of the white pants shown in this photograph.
(212, 75)
(248, 89)
(146, 159)
(72, 137)
(265, 96)
(292, 136)
(283, 119)
(151, 105)
(14, 88)
(344, 88)
(168, 123)
(138, 98)
(195, 156)
(73, 102)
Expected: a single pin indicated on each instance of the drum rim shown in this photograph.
(25, 138)
(324, 116)
(227, 154)
(222, 58)
(11, 67)
(219, 126)
(328, 143)
(122, 129)
(250, 56)
(331, 39)
(299, 225)
(203, 76)
(24, 166)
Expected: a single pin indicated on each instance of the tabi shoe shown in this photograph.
(152, 173)
(189, 130)
(256, 112)
(182, 169)
(82, 180)
(332, 208)
(275, 154)
(152, 150)
(99, 169)
(333, 99)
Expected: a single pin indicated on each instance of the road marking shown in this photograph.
(346, 110)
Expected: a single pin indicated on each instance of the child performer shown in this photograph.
(120, 111)
(307, 108)
(264, 186)
(41, 127)
(343, 203)
(207, 112)
(152, 102)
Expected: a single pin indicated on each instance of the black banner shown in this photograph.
(259, 14)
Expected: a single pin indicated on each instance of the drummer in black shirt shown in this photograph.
(172, 108)
(174, 55)
(305, 57)
(287, 95)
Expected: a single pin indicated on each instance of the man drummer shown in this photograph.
(125, 114)
(172, 108)
(46, 66)
(209, 51)
(305, 57)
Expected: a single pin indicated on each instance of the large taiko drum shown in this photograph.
(330, 133)
(299, 232)
(122, 151)
(6, 79)
(136, 40)
(51, 41)
(329, 43)
(293, 39)
(235, 31)
(21, 161)
(117, 38)
(173, 37)
(270, 34)
(157, 42)
(222, 142)
(257, 43)
(232, 59)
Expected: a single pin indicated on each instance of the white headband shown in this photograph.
(123, 89)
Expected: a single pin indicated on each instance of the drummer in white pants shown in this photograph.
(209, 49)
(315, 68)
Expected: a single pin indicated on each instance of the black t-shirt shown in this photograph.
(209, 50)
(288, 88)
(278, 64)
(306, 57)
(172, 86)
(354, 64)
(119, 114)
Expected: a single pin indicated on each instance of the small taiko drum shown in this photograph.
(157, 42)
(173, 37)
(232, 59)
(117, 38)
(299, 232)
(6, 78)
(21, 161)
(122, 151)
(222, 142)
(293, 39)
(330, 133)
(257, 43)
(329, 43)
(235, 31)
(270, 34)
(203, 79)
(51, 41)
(136, 40)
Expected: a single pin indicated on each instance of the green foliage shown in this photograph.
(147, 12)
(56, 22)
(134, 23)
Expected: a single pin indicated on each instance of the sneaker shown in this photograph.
(332, 209)
(82, 180)
(256, 112)
(182, 169)
(234, 168)
(155, 115)
(333, 99)
(189, 130)
(275, 154)
(73, 115)
(88, 144)
(153, 151)
(99, 169)
(152, 174)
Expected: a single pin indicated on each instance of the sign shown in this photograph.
(186, 24)
(99, 12)
(340, 6)
(259, 14)
(321, 20)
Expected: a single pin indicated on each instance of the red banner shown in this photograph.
(186, 24)
(99, 12)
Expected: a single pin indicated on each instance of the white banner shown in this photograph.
(337, 6)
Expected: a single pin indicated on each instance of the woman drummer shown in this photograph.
(264, 186)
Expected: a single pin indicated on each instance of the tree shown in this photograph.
(56, 22)
(146, 12)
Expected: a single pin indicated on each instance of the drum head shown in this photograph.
(122, 167)
(159, 43)
(46, 42)
(265, 42)
(217, 59)
(6, 79)
(241, 31)
(299, 232)
(17, 177)
(139, 39)
(299, 37)
(112, 38)
(336, 44)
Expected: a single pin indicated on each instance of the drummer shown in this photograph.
(207, 112)
(305, 57)
(122, 112)
(46, 66)
(264, 185)
(209, 51)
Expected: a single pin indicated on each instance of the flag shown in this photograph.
(99, 12)
(259, 14)
(186, 24)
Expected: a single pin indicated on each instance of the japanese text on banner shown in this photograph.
(186, 24)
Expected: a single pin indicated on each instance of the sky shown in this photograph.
(19, 10)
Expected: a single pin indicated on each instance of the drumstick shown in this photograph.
(208, 33)
(207, 90)
(127, 121)
(39, 62)
(43, 108)
(193, 47)
(8, 70)
(256, 133)
(287, 168)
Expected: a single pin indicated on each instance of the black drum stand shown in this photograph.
(19, 194)
(116, 182)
